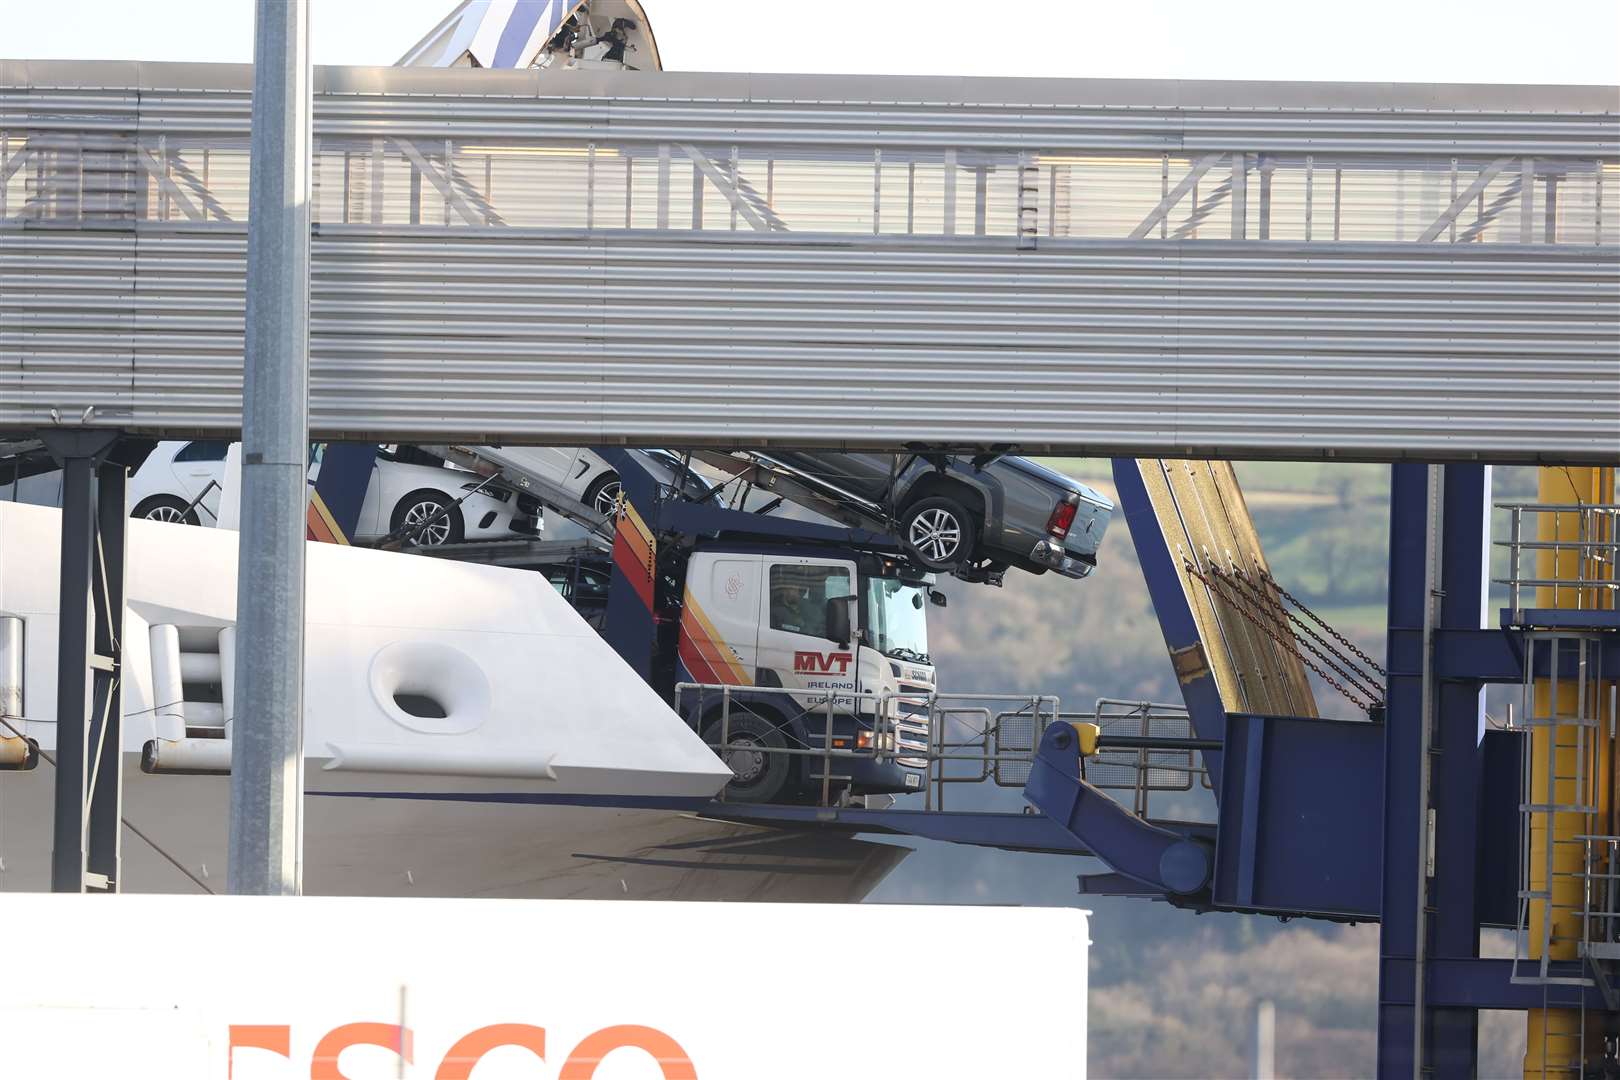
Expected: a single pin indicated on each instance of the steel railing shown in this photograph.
(947, 739)
(1574, 550)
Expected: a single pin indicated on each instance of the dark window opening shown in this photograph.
(421, 706)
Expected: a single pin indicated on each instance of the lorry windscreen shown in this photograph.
(897, 619)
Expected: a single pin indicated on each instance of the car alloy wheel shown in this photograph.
(936, 534)
(431, 535)
(165, 512)
(607, 498)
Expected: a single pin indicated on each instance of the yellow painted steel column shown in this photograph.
(1553, 1044)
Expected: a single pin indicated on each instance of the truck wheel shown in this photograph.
(938, 533)
(760, 776)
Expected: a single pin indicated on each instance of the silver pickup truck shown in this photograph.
(973, 516)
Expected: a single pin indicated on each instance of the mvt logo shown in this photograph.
(815, 663)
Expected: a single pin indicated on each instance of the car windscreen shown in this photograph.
(896, 618)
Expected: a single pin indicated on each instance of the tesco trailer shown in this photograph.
(271, 988)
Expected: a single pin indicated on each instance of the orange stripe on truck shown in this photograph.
(711, 645)
(319, 523)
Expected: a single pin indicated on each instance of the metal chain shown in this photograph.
(1361, 684)
(1364, 679)
(1340, 638)
(1217, 584)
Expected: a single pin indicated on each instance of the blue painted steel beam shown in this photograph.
(1293, 825)
(1162, 573)
(1497, 656)
(1447, 888)
(630, 626)
(1470, 983)
(340, 491)
(1162, 859)
(1458, 760)
(1403, 746)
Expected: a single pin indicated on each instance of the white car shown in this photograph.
(180, 482)
(591, 480)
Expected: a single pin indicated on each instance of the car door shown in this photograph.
(794, 648)
(199, 470)
(720, 618)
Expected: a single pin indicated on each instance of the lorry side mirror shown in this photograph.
(838, 620)
(936, 598)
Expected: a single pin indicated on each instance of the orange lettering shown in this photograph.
(671, 1058)
(276, 1038)
(470, 1049)
(324, 1065)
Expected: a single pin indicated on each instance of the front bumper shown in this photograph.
(1053, 556)
(868, 776)
(863, 775)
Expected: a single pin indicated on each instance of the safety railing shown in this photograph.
(1566, 553)
(979, 737)
(98, 176)
(941, 739)
(1153, 763)
(1600, 915)
(748, 725)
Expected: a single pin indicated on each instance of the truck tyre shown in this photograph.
(603, 494)
(422, 505)
(166, 508)
(938, 533)
(760, 776)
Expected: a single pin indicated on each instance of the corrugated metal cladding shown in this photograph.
(1221, 270)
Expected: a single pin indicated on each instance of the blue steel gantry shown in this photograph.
(1417, 818)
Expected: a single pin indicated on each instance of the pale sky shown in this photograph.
(1576, 41)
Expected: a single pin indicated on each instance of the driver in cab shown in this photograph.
(793, 609)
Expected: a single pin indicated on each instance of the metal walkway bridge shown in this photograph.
(1222, 269)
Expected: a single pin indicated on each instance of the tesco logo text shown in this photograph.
(459, 1061)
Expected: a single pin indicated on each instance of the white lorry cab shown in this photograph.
(785, 652)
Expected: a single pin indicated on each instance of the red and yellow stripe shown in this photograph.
(319, 524)
(635, 552)
(704, 650)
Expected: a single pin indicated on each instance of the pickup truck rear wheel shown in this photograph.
(938, 532)
(759, 774)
